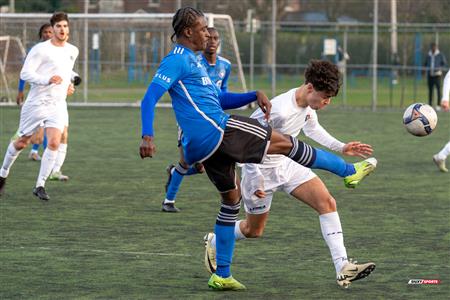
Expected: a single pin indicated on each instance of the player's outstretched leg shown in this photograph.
(363, 169)
(352, 271)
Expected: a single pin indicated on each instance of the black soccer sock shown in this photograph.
(302, 153)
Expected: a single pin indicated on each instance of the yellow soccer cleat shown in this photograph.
(225, 284)
(363, 168)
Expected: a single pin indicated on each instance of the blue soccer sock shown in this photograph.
(44, 142)
(175, 182)
(329, 161)
(35, 148)
(310, 157)
(224, 230)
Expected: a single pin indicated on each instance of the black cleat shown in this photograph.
(40, 193)
(2, 184)
(169, 207)
(169, 175)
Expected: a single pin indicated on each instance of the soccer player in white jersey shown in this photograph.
(48, 67)
(439, 158)
(292, 112)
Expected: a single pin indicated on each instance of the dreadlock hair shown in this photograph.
(184, 17)
(43, 27)
(58, 17)
(324, 76)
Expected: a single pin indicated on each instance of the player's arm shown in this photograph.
(171, 70)
(28, 72)
(315, 131)
(236, 100)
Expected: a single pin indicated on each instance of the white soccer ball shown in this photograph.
(420, 119)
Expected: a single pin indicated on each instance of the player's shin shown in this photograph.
(47, 164)
(330, 225)
(10, 156)
(224, 230)
(311, 157)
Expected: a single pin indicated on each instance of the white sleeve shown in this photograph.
(28, 72)
(315, 131)
(446, 88)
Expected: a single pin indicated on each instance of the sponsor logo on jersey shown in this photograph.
(206, 80)
(163, 77)
(222, 73)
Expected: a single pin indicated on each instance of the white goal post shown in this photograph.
(6, 44)
(120, 52)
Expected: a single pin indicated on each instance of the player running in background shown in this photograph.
(48, 67)
(292, 112)
(439, 158)
(38, 138)
(219, 69)
(215, 138)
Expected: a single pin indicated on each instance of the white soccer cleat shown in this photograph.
(353, 271)
(210, 254)
(440, 163)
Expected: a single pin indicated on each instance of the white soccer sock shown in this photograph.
(47, 164)
(238, 235)
(444, 152)
(10, 156)
(62, 151)
(333, 236)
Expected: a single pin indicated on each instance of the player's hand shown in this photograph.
(19, 98)
(264, 104)
(445, 105)
(70, 89)
(357, 149)
(260, 194)
(147, 147)
(55, 79)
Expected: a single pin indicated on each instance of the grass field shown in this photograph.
(103, 236)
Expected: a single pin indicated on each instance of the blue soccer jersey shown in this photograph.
(195, 100)
(219, 72)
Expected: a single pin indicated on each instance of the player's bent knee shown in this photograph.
(327, 205)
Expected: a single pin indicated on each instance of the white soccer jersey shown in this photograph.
(44, 61)
(288, 118)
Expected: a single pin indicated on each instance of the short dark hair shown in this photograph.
(42, 28)
(324, 76)
(58, 17)
(184, 17)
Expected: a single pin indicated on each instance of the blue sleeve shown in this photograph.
(235, 100)
(153, 94)
(224, 87)
(21, 85)
(171, 69)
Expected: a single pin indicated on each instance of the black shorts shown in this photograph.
(245, 141)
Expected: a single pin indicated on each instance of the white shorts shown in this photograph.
(47, 115)
(286, 177)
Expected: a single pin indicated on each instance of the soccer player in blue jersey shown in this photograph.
(45, 33)
(215, 138)
(219, 69)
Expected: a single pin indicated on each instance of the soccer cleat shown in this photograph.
(353, 271)
(169, 207)
(58, 176)
(363, 168)
(210, 254)
(225, 284)
(2, 184)
(40, 193)
(440, 163)
(169, 175)
(34, 156)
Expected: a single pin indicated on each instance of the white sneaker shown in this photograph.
(58, 176)
(352, 271)
(34, 156)
(440, 163)
(210, 254)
